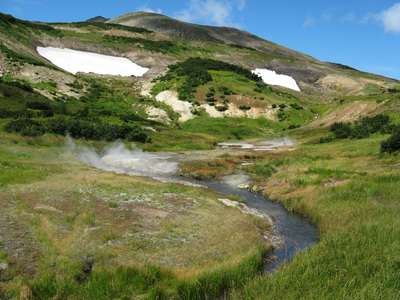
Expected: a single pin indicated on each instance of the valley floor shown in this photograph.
(74, 231)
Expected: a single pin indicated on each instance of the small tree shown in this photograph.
(392, 144)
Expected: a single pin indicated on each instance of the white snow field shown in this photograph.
(79, 61)
(270, 77)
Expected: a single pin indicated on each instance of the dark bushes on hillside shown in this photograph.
(150, 45)
(17, 57)
(26, 127)
(359, 129)
(21, 85)
(15, 27)
(392, 144)
(194, 64)
(194, 72)
(78, 128)
(109, 26)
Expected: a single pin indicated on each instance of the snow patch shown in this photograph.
(270, 77)
(79, 61)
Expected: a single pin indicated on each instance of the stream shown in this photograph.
(298, 232)
(295, 233)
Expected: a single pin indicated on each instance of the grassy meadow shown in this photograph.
(94, 234)
(352, 193)
(71, 231)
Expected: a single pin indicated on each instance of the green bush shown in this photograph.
(110, 26)
(341, 130)
(221, 107)
(194, 72)
(296, 106)
(26, 127)
(392, 144)
(150, 45)
(16, 57)
(79, 128)
(265, 170)
(23, 86)
(360, 129)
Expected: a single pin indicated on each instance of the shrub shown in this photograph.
(244, 107)
(362, 128)
(392, 144)
(79, 128)
(221, 108)
(265, 170)
(23, 86)
(26, 127)
(328, 138)
(341, 130)
(296, 106)
(292, 126)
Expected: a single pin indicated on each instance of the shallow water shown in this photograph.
(298, 232)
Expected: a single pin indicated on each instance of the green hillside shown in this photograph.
(70, 230)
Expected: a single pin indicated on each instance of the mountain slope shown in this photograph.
(187, 31)
(166, 46)
(308, 71)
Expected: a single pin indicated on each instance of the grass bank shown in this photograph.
(352, 192)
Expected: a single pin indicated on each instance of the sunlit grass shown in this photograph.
(352, 193)
(142, 238)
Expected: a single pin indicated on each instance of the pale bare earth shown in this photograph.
(346, 85)
(349, 113)
(185, 109)
(156, 114)
(182, 107)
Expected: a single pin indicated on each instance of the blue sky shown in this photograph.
(362, 34)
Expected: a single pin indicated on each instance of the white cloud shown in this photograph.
(212, 12)
(391, 18)
(145, 8)
(310, 21)
(350, 17)
(324, 17)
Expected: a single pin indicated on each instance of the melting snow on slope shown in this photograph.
(270, 77)
(79, 61)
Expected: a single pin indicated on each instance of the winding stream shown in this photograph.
(296, 233)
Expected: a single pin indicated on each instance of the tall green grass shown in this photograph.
(231, 128)
(358, 254)
(74, 280)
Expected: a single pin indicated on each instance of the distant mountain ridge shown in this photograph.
(188, 31)
(156, 41)
(98, 19)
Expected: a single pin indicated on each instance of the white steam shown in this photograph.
(120, 159)
(260, 146)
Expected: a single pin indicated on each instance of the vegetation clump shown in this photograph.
(194, 72)
(78, 128)
(110, 26)
(19, 28)
(392, 144)
(150, 45)
(20, 58)
(359, 129)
